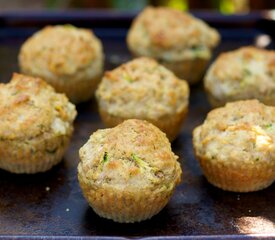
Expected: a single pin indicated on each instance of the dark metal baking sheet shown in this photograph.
(50, 205)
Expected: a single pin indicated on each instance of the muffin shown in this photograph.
(246, 73)
(128, 173)
(235, 146)
(143, 89)
(68, 58)
(176, 39)
(35, 125)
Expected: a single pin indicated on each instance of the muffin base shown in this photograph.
(124, 206)
(191, 70)
(236, 177)
(214, 102)
(77, 91)
(170, 125)
(33, 156)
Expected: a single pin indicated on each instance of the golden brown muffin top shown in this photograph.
(133, 155)
(30, 107)
(248, 72)
(142, 88)
(242, 131)
(162, 29)
(61, 49)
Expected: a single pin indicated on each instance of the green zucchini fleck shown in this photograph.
(141, 163)
(267, 126)
(105, 157)
(198, 51)
(14, 93)
(52, 151)
(41, 126)
(128, 78)
(69, 26)
(247, 72)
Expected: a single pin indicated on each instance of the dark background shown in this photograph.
(51, 203)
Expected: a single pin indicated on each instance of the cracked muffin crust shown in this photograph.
(245, 73)
(67, 57)
(176, 39)
(128, 173)
(143, 89)
(236, 146)
(35, 125)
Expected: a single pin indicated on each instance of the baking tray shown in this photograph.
(50, 205)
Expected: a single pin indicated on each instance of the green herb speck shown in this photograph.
(247, 72)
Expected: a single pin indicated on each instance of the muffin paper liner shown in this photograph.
(214, 102)
(123, 206)
(238, 177)
(76, 91)
(191, 70)
(33, 157)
